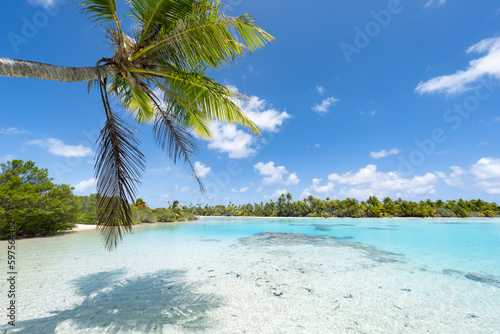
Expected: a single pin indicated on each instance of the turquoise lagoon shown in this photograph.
(264, 275)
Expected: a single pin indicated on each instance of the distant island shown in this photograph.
(37, 206)
(285, 206)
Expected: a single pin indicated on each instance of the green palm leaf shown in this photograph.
(158, 16)
(160, 78)
(101, 11)
(118, 170)
(205, 38)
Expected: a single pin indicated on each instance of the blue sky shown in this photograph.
(354, 98)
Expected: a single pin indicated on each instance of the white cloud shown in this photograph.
(486, 173)
(239, 144)
(227, 138)
(265, 120)
(160, 171)
(12, 131)
(463, 80)
(317, 188)
(84, 185)
(320, 89)
(43, 3)
(276, 175)
(182, 189)
(435, 2)
(242, 190)
(325, 105)
(165, 198)
(454, 178)
(57, 147)
(8, 157)
(384, 153)
(369, 182)
(201, 169)
(278, 193)
(373, 113)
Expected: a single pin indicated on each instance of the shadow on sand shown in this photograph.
(148, 304)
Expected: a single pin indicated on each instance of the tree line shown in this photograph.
(38, 206)
(285, 206)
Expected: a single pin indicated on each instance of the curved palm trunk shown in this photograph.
(16, 68)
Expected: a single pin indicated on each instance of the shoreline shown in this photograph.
(360, 218)
(85, 227)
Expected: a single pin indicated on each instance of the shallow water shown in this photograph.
(224, 275)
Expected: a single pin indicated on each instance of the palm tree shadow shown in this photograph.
(146, 304)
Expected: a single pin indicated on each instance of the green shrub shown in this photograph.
(143, 215)
(35, 204)
(442, 212)
(165, 215)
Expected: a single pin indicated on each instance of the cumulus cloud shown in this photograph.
(384, 153)
(201, 169)
(182, 189)
(278, 193)
(368, 181)
(57, 147)
(318, 189)
(242, 190)
(486, 173)
(84, 185)
(227, 138)
(160, 171)
(463, 80)
(238, 143)
(320, 89)
(165, 197)
(43, 3)
(437, 3)
(266, 119)
(12, 131)
(8, 157)
(325, 105)
(454, 178)
(276, 175)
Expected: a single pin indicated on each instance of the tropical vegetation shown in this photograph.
(37, 206)
(30, 199)
(157, 73)
(285, 206)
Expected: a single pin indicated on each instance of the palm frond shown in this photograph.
(158, 16)
(115, 37)
(216, 101)
(184, 111)
(118, 170)
(141, 105)
(253, 36)
(174, 139)
(101, 11)
(206, 38)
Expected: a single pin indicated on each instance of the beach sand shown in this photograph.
(83, 227)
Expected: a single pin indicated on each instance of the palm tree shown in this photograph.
(158, 75)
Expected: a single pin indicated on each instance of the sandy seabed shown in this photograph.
(267, 283)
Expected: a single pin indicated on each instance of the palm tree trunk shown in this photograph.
(16, 68)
